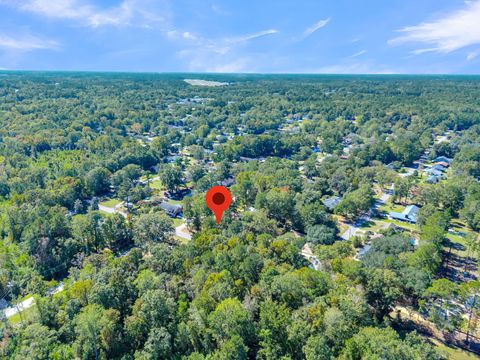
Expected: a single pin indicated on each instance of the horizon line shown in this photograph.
(3, 70)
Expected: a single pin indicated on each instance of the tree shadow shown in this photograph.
(454, 245)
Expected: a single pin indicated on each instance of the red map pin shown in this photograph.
(218, 200)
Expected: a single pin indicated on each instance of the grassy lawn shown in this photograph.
(460, 226)
(178, 222)
(454, 353)
(110, 203)
(390, 206)
(342, 228)
(180, 239)
(25, 315)
(458, 240)
(372, 225)
(157, 184)
(175, 202)
(405, 225)
(463, 231)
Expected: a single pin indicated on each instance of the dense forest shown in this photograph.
(106, 241)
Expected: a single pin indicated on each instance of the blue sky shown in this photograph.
(282, 36)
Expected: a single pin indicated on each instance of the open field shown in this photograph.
(198, 82)
(110, 203)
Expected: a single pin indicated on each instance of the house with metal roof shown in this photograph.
(408, 215)
(433, 179)
(331, 202)
(172, 210)
(434, 172)
(442, 163)
(227, 182)
(439, 167)
(442, 159)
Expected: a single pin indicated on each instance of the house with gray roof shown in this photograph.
(408, 215)
(331, 202)
(172, 210)
(434, 172)
(433, 179)
(439, 167)
(443, 159)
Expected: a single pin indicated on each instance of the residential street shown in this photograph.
(29, 302)
(353, 228)
(182, 231)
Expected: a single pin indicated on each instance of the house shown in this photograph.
(442, 163)
(347, 149)
(439, 167)
(246, 159)
(413, 242)
(409, 214)
(443, 159)
(173, 158)
(433, 179)
(178, 194)
(331, 202)
(392, 166)
(172, 210)
(363, 251)
(434, 172)
(391, 227)
(227, 182)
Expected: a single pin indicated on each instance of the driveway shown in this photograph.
(182, 231)
(28, 302)
(353, 228)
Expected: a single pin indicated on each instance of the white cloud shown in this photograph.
(216, 55)
(26, 43)
(252, 36)
(446, 34)
(67, 9)
(361, 52)
(318, 25)
(127, 13)
(472, 55)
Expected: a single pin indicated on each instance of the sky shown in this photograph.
(260, 36)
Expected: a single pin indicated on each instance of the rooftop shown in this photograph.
(409, 214)
(331, 202)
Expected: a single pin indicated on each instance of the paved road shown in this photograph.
(144, 182)
(353, 228)
(385, 196)
(28, 302)
(307, 253)
(441, 139)
(351, 231)
(110, 210)
(181, 231)
(114, 210)
(409, 172)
